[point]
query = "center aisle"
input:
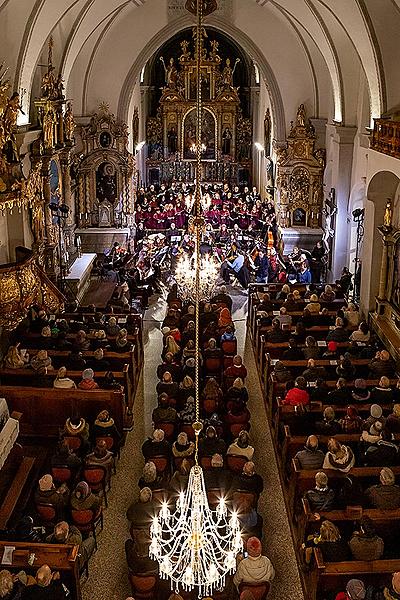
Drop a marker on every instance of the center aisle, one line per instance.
(108, 570)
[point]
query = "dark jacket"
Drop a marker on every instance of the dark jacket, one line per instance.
(310, 459)
(340, 396)
(328, 427)
(54, 591)
(320, 500)
(218, 477)
(139, 564)
(366, 548)
(150, 449)
(248, 483)
(382, 454)
(334, 551)
(385, 497)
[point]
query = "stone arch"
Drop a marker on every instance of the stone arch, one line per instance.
(125, 107)
(382, 185)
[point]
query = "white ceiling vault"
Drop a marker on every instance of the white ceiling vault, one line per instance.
(316, 51)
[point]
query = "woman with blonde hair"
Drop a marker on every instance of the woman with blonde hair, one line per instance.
(338, 457)
(171, 346)
(14, 358)
(330, 542)
(62, 381)
(328, 295)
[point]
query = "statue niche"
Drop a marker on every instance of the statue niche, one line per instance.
(208, 135)
(106, 182)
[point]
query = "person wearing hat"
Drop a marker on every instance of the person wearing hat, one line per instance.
(355, 590)
(76, 426)
(182, 447)
(88, 382)
(332, 351)
(62, 381)
(83, 499)
(164, 413)
(386, 494)
(102, 457)
(376, 414)
(189, 368)
(360, 391)
(256, 568)
(322, 497)
(47, 493)
(156, 446)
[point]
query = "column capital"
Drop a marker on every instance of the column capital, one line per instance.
(342, 134)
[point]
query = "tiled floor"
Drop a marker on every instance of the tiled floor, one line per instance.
(108, 571)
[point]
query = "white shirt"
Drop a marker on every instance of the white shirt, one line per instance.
(254, 570)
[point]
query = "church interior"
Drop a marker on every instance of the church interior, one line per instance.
(200, 299)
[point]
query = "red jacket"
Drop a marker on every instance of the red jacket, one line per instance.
(296, 396)
(234, 371)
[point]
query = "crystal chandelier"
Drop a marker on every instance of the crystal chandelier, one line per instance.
(195, 546)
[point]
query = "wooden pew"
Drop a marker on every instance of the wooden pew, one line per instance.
(45, 410)
(333, 576)
(59, 557)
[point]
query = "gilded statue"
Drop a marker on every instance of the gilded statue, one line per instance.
(387, 217)
(135, 127)
(228, 73)
(185, 51)
(49, 121)
(49, 83)
(11, 114)
(301, 116)
(171, 73)
(60, 87)
(69, 123)
(214, 51)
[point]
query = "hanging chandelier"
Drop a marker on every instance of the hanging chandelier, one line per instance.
(195, 546)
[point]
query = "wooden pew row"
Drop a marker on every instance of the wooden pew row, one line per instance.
(45, 410)
(59, 557)
(117, 361)
(296, 315)
(332, 577)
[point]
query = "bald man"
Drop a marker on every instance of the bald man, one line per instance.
(48, 586)
(310, 457)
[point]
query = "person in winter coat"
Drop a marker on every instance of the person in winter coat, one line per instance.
(365, 544)
(339, 457)
(386, 494)
(322, 497)
(310, 457)
(298, 395)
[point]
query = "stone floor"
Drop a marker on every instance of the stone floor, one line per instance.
(108, 572)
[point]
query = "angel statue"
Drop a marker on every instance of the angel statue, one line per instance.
(69, 123)
(387, 217)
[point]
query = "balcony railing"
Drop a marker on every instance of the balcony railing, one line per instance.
(386, 137)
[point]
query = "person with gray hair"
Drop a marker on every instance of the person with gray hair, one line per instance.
(322, 497)
(156, 445)
(141, 512)
(217, 476)
(310, 457)
(385, 494)
(48, 586)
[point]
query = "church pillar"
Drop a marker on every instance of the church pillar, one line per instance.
(320, 132)
(141, 157)
(340, 156)
(258, 155)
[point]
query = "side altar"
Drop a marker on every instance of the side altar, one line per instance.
(226, 134)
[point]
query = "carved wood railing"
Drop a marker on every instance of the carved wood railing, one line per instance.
(386, 137)
(23, 284)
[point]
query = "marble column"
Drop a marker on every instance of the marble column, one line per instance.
(340, 156)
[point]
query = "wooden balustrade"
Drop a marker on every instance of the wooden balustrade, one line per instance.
(386, 137)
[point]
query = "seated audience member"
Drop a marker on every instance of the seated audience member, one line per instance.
(297, 296)
(41, 362)
(290, 303)
(248, 480)
(382, 364)
(47, 493)
(375, 414)
(329, 425)
(69, 534)
(15, 359)
(351, 422)
(328, 295)
(330, 542)
(393, 420)
(12, 586)
(65, 457)
(182, 448)
(75, 361)
(149, 477)
(164, 413)
(396, 392)
(355, 590)
(211, 444)
(293, 352)
(228, 335)
(241, 446)
(300, 334)
(392, 592)
(137, 556)
(283, 292)
(255, 568)
(360, 391)
(25, 531)
(156, 446)
(352, 315)
(339, 333)
(285, 320)
(365, 544)
(237, 369)
(211, 350)
(311, 349)
(83, 499)
(266, 304)
(386, 494)
(112, 328)
(169, 365)
(332, 351)
(104, 426)
(276, 335)
(223, 297)
(141, 512)
(298, 395)
(314, 306)
(179, 480)
(351, 493)
(321, 498)
(339, 457)
(100, 340)
(186, 389)
(282, 373)
(341, 395)
(362, 334)
(237, 414)
(382, 453)
(62, 381)
(313, 372)
(167, 386)
(224, 320)
(45, 341)
(48, 586)
(98, 363)
(217, 477)
(81, 342)
(382, 393)
(88, 382)
(101, 457)
(212, 391)
(345, 369)
(319, 392)
(187, 415)
(310, 457)
(189, 351)
(172, 347)
(237, 392)
(76, 426)
(171, 319)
